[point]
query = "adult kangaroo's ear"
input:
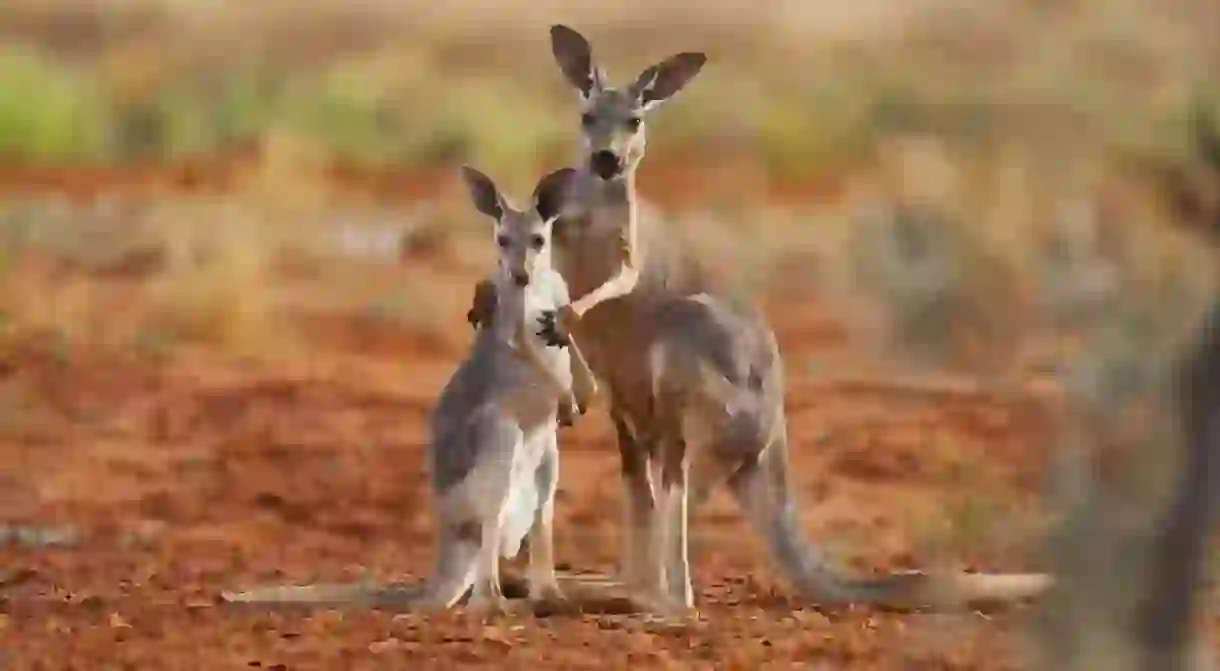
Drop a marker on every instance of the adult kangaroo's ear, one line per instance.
(575, 58)
(483, 192)
(661, 81)
(552, 192)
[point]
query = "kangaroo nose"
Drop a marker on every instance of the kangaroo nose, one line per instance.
(605, 164)
(521, 279)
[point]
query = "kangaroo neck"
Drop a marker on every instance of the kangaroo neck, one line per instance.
(609, 203)
(591, 255)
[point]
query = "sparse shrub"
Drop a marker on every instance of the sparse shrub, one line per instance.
(49, 112)
(215, 288)
(182, 119)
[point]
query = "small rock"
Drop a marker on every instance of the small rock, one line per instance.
(387, 645)
(665, 625)
(40, 537)
(811, 618)
(498, 636)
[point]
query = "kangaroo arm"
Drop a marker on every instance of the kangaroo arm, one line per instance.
(584, 383)
(525, 349)
(624, 279)
(483, 305)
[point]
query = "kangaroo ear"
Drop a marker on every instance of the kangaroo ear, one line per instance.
(552, 192)
(661, 81)
(575, 58)
(483, 192)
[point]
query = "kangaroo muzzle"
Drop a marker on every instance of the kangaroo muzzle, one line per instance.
(605, 164)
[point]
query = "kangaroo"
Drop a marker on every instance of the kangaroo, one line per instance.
(493, 451)
(695, 376)
(494, 454)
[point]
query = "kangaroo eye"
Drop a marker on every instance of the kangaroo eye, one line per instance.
(537, 241)
(502, 241)
(587, 120)
(634, 123)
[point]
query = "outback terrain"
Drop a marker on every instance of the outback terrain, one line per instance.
(220, 336)
(142, 481)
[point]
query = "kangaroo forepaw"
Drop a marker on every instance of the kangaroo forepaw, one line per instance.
(567, 415)
(570, 409)
(483, 306)
(551, 332)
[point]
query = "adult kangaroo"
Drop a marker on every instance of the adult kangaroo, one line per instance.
(695, 378)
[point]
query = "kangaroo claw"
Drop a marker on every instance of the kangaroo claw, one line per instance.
(551, 332)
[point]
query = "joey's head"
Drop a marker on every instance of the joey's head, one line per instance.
(522, 237)
(613, 137)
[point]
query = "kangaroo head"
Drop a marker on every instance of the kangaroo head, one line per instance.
(523, 237)
(612, 118)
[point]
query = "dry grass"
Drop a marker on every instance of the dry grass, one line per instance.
(238, 272)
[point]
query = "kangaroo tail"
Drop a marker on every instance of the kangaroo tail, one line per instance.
(763, 490)
(334, 595)
(454, 576)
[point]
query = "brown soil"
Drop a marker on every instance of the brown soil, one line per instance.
(189, 475)
(680, 181)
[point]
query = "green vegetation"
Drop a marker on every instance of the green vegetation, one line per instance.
(49, 112)
(419, 100)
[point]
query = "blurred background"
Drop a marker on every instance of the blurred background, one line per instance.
(235, 260)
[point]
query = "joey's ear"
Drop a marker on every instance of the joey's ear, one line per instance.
(575, 58)
(552, 191)
(483, 192)
(661, 81)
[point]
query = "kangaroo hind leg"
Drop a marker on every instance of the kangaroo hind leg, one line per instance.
(672, 537)
(543, 585)
(457, 551)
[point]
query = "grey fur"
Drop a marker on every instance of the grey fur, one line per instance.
(493, 453)
(682, 357)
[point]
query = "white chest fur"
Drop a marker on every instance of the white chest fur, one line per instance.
(533, 396)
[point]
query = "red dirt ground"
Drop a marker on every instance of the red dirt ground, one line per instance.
(196, 474)
(679, 181)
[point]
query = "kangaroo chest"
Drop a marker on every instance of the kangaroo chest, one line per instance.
(588, 250)
(526, 391)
